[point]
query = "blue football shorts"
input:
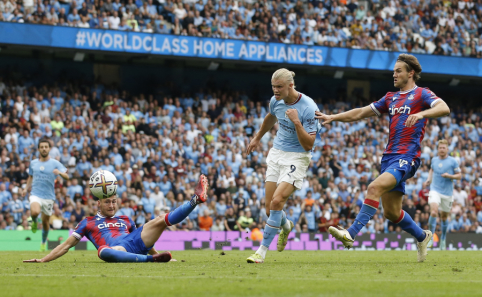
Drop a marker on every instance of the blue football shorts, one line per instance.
(402, 167)
(133, 243)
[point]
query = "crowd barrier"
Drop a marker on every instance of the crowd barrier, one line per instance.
(234, 240)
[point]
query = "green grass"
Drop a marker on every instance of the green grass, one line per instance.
(208, 273)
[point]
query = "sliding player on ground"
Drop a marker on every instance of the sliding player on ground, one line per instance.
(290, 156)
(116, 237)
(42, 174)
(408, 111)
(444, 169)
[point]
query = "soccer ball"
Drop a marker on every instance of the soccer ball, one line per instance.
(103, 184)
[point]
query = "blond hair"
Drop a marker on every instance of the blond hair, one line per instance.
(284, 74)
(442, 141)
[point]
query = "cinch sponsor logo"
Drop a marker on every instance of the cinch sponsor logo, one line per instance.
(395, 110)
(111, 225)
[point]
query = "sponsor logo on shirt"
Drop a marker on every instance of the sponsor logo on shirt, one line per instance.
(111, 225)
(396, 110)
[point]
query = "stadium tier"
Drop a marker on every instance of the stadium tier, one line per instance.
(451, 28)
(158, 147)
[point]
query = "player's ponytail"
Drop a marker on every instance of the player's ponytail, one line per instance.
(284, 74)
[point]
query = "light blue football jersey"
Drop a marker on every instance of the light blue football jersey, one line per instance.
(44, 177)
(442, 185)
(286, 139)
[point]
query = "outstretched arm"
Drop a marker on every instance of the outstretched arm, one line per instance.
(347, 116)
(268, 123)
(58, 252)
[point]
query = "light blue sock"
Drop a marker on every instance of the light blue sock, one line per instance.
(432, 223)
(283, 218)
(408, 225)
(115, 256)
(180, 213)
(272, 227)
(45, 235)
(445, 225)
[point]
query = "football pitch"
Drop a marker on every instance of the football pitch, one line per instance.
(209, 273)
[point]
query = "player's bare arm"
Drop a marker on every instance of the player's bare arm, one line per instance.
(268, 123)
(58, 252)
(440, 109)
(306, 140)
(353, 115)
(457, 176)
(429, 178)
(64, 175)
(29, 183)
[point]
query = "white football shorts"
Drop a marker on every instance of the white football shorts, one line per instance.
(287, 167)
(444, 202)
(46, 205)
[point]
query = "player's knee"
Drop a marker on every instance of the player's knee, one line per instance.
(277, 202)
(374, 190)
(434, 213)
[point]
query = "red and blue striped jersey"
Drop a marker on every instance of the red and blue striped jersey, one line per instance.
(102, 230)
(399, 106)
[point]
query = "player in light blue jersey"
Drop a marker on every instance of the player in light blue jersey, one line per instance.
(443, 171)
(42, 174)
(290, 156)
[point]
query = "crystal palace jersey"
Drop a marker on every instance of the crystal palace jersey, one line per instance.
(101, 230)
(399, 106)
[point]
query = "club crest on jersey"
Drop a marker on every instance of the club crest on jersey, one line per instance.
(410, 97)
(394, 98)
(402, 162)
(440, 165)
(396, 110)
(42, 168)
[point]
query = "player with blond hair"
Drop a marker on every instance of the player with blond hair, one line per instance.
(443, 170)
(408, 110)
(290, 156)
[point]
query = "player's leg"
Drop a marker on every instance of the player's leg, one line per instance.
(270, 188)
(45, 231)
(118, 254)
(445, 206)
(434, 202)
(392, 209)
(282, 193)
(376, 189)
(34, 213)
(180, 213)
(444, 226)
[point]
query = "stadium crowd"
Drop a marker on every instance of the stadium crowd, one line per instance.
(448, 27)
(157, 148)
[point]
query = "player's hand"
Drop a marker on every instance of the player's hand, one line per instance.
(413, 119)
(292, 114)
(326, 119)
(56, 171)
(446, 175)
(426, 184)
(252, 145)
(33, 261)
